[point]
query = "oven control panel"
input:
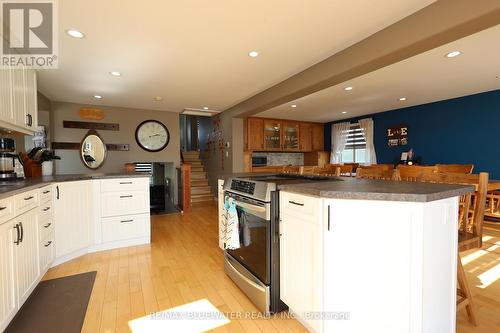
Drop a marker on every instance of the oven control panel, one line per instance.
(243, 186)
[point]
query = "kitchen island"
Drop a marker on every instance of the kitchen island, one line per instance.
(370, 255)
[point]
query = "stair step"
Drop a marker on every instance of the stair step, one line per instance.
(198, 175)
(199, 182)
(201, 190)
(197, 169)
(202, 197)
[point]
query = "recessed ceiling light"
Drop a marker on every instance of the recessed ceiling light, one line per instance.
(402, 99)
(75, 33)
(453, 54)
(205, 108)
(293, 105)
(115, 73)
(348, 88)
(344, 112)
(253, 54)
(158, 98)
(97, 96)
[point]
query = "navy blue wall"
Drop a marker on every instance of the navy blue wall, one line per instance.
(459, 130)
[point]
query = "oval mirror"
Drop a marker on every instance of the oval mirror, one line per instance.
(93, 150)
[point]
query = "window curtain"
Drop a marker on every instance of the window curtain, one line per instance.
(366, 126)
(339, 140)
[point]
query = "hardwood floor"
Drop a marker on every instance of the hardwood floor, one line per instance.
(184, 264)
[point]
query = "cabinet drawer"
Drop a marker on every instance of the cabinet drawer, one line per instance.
(26, 201)
(6, 209)
(292, 203)
(124, 203)
(45, 211)
(124, 227)
(45, 228)
(47, 252)
(124, 184)
(46, 194)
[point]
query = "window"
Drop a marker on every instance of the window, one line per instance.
(355, 148)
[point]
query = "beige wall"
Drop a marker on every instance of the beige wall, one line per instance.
(128, 119)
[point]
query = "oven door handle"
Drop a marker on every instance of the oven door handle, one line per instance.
(259, 211)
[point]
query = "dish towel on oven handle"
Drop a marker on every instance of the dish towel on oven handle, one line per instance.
(231, 225)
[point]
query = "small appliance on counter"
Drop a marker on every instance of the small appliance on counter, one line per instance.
(10, 165)
(33, 160)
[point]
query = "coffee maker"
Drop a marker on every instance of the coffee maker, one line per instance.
(10, 165)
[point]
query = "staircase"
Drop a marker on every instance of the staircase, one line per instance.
(200, 190)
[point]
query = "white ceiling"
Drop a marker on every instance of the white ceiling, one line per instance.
(425, 78)
(193, 53)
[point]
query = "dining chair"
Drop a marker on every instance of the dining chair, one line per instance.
(290, 169)
(308, 169)
(455, 168)
(470, 225)
(374, 173)
(411, 173)
(345, 170)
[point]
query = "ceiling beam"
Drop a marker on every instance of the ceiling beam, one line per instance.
(437, 24)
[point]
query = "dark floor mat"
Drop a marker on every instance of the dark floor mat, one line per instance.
(57, 305)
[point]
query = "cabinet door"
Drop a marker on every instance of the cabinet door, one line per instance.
(291, 136)
(71, 216)
(305, 137)
(255, 134)
(7, 276)
(318, 143)
(272, 135)
(300, 257)
(18, 98)
(6, 109)
(27, 256)
(31, 98)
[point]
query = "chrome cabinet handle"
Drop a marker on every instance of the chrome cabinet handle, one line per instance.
(45, 192)
(328, 217)
(296, 203)
(126, 221)
(125, 183)
(29, 198)
(17, 241)
(2, 208)
(48, 243)
(126, 196)
(46, 209)
(47, 225)
(57, 192)
(22, 232)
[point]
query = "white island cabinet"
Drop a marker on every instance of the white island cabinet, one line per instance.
(352, 266)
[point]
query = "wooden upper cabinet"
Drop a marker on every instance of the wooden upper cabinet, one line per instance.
(291, 134)
(305, 137)
(318, 142)
(254, 134)
(272, 135)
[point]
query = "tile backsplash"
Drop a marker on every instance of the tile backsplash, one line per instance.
(274, 159)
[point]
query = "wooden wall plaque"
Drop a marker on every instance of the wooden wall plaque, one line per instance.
(76, 146)
(90, 125)
(91, 114)
(397, 135)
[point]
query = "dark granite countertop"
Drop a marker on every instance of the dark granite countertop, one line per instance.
(388, 190)
(10, 188)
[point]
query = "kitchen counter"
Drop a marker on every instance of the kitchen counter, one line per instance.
(9, 188)
(387, 190)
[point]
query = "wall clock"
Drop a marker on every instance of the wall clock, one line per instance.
(152, 135)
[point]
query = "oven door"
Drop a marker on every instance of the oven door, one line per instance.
(254, 219)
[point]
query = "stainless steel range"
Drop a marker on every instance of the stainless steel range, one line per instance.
(254, 267)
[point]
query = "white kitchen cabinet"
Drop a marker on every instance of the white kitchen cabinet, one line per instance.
(72, 212)
(126, 202)
(26, 255)
(8, 301)
(6, 109)
(18, 100)
(47, 252)
(220, 192)
(301, 256)
(124, 227)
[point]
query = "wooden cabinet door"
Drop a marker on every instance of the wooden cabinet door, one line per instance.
(305, 137)
(6, 109)
(291, 135)
(255, 134)
(72, 216)
(18, 98)
(27, 256)
(8, 300)
(272, 135)
(318, 143)
(31, 98)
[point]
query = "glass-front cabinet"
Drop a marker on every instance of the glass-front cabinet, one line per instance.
(291, 136)
(272, 134)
